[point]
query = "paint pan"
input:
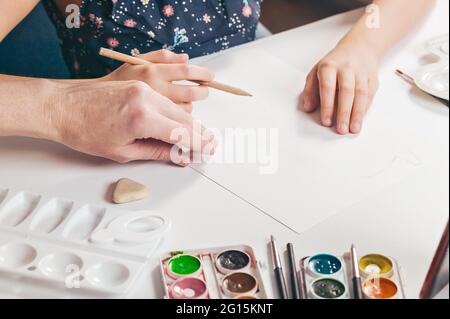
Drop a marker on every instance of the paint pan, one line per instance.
(376, 264)
(228, 272)
(380, 288)
(188, 288)
(329, 276)
(324, 265)
(184, 266)
(328, 288)
(232, 260)
(239, 283)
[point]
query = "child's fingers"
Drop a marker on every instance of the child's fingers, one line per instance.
(187, 107)
(346, 82)
(373, 88)
(186, 93)
(327, 81)
(165, 56)
(360, 105)
(311, 98)
(180, 72)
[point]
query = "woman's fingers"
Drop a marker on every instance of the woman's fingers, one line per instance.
(346, 96)
(180, 72)
(165, 56)
(327, 75)
(360, 104)
(152, 115)
(153, 150)
(167, 117)
(175, 113)
(175, 133)
(311, 97)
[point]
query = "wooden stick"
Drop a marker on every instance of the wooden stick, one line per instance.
(137, 61)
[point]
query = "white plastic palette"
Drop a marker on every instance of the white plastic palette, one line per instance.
(66, 244)
(434, 78)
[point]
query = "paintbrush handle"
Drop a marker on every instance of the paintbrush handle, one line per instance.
(357, 290)
(293, 272)
(114, 55)
(281, 283)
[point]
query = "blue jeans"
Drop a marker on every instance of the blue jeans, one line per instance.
(32, 49)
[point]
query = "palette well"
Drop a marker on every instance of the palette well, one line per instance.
(329, 276)
(215, 273)
(63, 244)
(434, 78)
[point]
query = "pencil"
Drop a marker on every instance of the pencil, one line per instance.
(278, 270)
(137, 61)
(293, 272)
(357, 290)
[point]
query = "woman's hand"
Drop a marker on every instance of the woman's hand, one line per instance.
(124, 121)
(342, 86)
(166, 68)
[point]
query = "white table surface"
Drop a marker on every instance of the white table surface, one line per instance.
(404, 220)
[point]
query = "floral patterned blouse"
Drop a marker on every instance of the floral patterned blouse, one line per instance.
(196, 27)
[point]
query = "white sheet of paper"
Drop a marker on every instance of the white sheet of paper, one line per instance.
(319, 173)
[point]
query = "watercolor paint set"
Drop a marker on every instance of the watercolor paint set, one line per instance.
(216, 273)
(65, 244)
(329, 276)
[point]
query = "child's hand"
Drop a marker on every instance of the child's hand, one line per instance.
(343, 85)
(167, 67)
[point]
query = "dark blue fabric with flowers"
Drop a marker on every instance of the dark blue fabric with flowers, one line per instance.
(196, 27)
